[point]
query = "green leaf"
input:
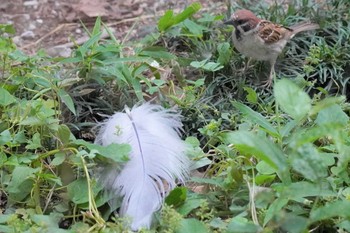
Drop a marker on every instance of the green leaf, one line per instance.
(116, 152)
(298, 191)
(59, 159)
(35, 143)
(5, 137)
(64, 134)
(208, 66)
(333, 114)
(262, 148)
(292, 99)
(157, 52)
(48, 221)
(240, 224)
(166, 21)
(265, 168)
(292, 223)
(308, 162)
(252, 96)
(21, 182)
(188, 12)
(67, 100)
(191, 225)
(176, 197)
(225, 51)
(6, 98)
(97, 26)
(275, 209)
(256, 118)
(78, 191)
(194, 28)
(9, 29)
(314, 133)
(191, 203)
(339, 208)
(88, 44)
(169, 19)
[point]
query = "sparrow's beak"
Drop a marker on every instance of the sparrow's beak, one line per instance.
(229, 22)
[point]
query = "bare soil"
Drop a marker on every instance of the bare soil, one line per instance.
(51, 23)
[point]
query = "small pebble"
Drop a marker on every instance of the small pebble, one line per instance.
(31, 26)
(78, 30)
(39, 21)
(28, 35)
(30, 3)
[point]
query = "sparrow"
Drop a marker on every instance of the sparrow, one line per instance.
(261, 39)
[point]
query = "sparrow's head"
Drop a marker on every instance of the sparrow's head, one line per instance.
(244, 19)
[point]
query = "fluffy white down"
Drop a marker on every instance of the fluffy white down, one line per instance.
(157, 159)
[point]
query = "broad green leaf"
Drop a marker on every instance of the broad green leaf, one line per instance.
(298, 191)
(6, 229)
(35, 143)
(21, 182)
(116, 152)
(48, 221)
(78, 191)
(5, 97)
(308, 162)
(262, 148)
(344, 225)
(67, 100)
(64, 134)
(194, 28)
(176, 197)
(191, 225)
(264, 179)
(5, 137)
(292, 99)
(191, 203)
(292, 223)
(218, 223)
(59, 159)
(256, 118)
(275, 209)
(240, 224)
(339, 208)
(333, 114)
(314, 133)
(265, 168)
(327, 102)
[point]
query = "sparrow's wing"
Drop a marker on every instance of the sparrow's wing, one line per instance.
(272, 33)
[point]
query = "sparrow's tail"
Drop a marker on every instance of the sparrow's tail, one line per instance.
(304, 26)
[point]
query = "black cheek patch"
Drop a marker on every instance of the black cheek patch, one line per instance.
(238, 34)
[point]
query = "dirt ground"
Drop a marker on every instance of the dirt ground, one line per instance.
(52, 24)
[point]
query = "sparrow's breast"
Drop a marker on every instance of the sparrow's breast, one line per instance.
(251, 45)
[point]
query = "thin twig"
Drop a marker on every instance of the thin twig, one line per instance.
(58, 28)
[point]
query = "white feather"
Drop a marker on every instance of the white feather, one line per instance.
(157, 159)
